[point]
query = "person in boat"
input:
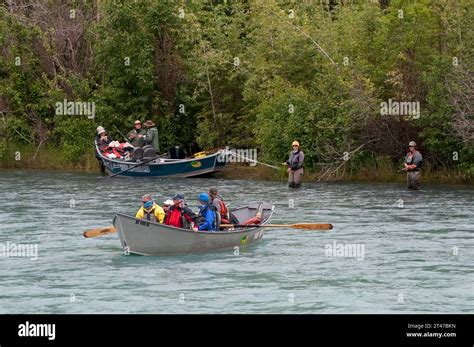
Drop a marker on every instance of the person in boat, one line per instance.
(150, 210)
(218, 203)
(137, 135)
(207, 217)
(151, 135)
(413, 162)
(167, 204)
(179, 215)
(109, 148)
(295, 165)
(104, 144)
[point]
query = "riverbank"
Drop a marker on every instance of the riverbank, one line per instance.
(366, 175)
(53, 158)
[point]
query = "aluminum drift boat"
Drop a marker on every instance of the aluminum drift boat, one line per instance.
(163, 167)
(149, 238)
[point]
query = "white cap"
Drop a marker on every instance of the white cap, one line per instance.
(168, 202)
(100, 130)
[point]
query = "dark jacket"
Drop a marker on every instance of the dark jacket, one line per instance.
(295, 161)
(137, 141)
(151, 138)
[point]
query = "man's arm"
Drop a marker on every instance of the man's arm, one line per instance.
(217, 205)
(207, 225)
(301, 159)
(417, 159)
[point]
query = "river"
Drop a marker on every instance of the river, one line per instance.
(413, 251)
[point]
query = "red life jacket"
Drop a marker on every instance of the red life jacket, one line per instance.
(173, 218)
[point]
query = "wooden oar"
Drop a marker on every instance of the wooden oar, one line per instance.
(100, 231)
(307, 226)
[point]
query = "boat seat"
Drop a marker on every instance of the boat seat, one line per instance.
(137, 153)
(149, 152)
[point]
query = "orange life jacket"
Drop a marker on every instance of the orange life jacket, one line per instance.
(224, 211)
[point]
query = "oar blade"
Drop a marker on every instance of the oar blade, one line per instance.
(99, 232)
(312, 226)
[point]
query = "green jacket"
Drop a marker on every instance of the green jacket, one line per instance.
(151, 138)
(137, 141)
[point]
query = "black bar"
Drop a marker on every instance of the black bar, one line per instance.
(323, 330)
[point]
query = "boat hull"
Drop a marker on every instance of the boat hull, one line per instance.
(165, 167)
(149, 238)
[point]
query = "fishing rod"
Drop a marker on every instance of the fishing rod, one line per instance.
(251, 160)
(126, 139)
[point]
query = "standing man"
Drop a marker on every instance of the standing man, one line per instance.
(151, 136)
(413, 161)
(136, 135)
(295, 166)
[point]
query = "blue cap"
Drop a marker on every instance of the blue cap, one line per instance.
(178, 197)
(203, 197)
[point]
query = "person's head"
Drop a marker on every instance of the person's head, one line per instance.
(167, 204)
(101, 132)
(178, 199)
(147, 201)
(295, 145)
(412, 146)
(138, 124)
(203, 198)
(213, 192)
(149, 124)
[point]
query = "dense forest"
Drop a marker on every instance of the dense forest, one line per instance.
(247, 74)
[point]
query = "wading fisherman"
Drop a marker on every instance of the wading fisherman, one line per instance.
(151, 135)
(413, 162)
(207, 215)
(150, 210)
(221, 208)
(179, 215)
(136, 135)
(295, 166)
